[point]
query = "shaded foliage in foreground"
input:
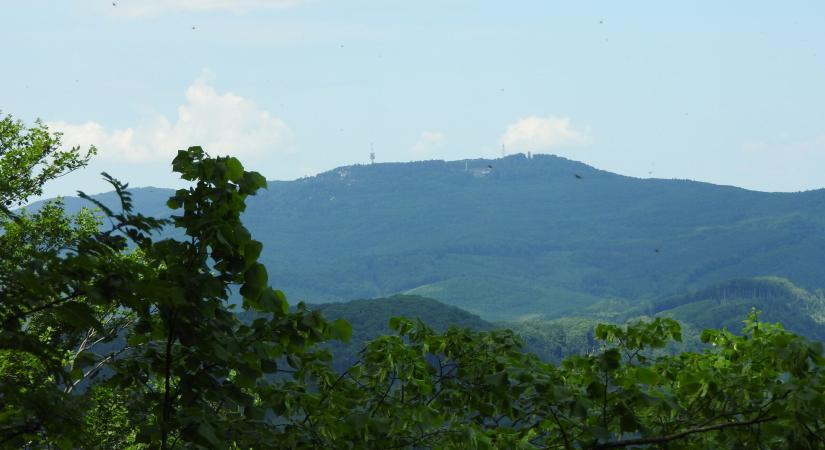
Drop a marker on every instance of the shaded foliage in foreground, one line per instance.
(192, 375)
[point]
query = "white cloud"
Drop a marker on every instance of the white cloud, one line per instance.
(542, 133)
(222, 123)
(427, 142)
(800, 148)
(144, 8)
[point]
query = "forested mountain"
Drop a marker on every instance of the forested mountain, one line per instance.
(516, 237)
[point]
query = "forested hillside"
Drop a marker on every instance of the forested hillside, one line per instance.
(513, 237)
(721, 305)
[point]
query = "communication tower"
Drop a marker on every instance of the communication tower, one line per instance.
(372, 154)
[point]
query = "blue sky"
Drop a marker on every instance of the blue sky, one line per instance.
(724, 92)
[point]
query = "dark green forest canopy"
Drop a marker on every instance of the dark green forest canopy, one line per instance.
(521, 239)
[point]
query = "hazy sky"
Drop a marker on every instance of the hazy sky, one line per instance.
(725, 92)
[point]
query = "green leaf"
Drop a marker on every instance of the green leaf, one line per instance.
(76, 373)
(174, 203)
(84, 359)
(646, 375)
(245, 380)
(252, 251)
(254, 413)
(341, 330)
(269, 366)
(257, 180)
(610, 360)
(78, 314)
(255, 280)
(271, 300)
(234, 169)
(498, 379)
(206, 431)
(65, 442)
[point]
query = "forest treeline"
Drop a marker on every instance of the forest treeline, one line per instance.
(193, 375)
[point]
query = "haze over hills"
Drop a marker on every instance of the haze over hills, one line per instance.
(515, 237)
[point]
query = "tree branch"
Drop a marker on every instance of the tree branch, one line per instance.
(682, 434)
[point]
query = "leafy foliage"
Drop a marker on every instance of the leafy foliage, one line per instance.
(462, 389)
(371, 319)
(119, 339)
(554, 340)
(188, 360)
(31, 157)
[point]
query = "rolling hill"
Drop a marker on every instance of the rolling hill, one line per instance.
(724, 305)
(370, 319)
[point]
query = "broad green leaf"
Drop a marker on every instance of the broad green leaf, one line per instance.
(78, 315)
(234, 169)
(341, 330)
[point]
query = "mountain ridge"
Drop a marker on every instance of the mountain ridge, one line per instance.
(511, 237)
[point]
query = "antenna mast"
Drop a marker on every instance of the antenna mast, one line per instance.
(503, 151)
(372, 154)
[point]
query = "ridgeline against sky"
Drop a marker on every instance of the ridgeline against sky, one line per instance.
(510, 237)
(726, 93)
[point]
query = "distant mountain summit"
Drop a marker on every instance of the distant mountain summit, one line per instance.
(514, 237)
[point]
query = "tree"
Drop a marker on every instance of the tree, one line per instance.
(37, 361)
(201, 372)
(459, 389)
(29, 158)
(187, 359)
